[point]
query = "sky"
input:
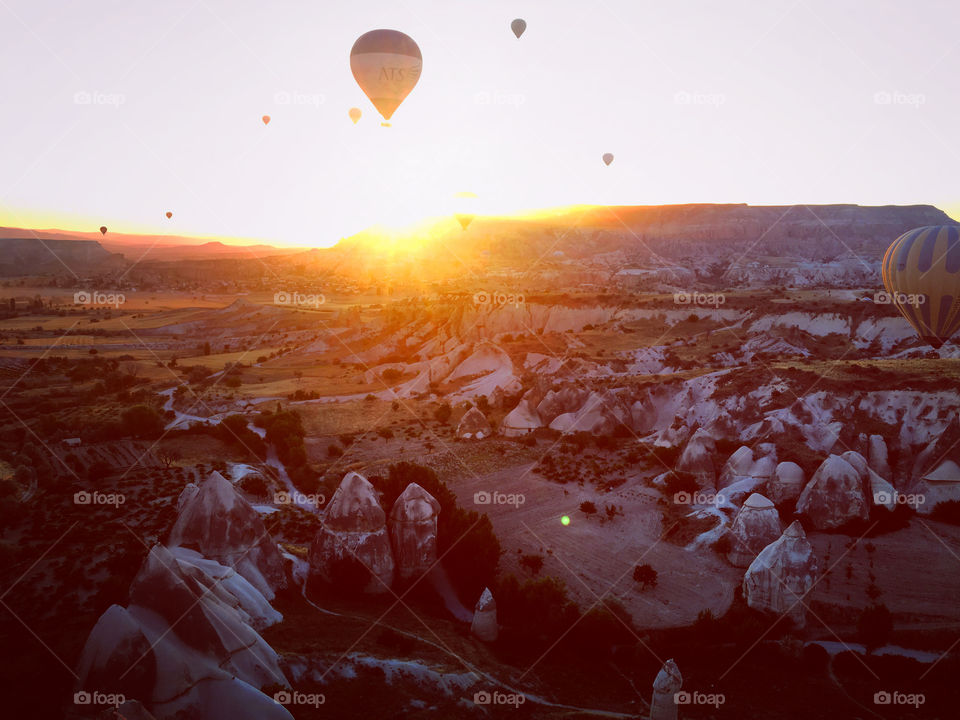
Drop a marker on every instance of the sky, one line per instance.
(117, 112)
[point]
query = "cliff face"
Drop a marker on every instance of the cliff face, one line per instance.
(30, 256)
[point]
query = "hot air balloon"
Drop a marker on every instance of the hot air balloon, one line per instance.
(518, 26)
(266, 119)
(608, 158)
(355, 115)
(103, 229)
(386, 65)
(169, 214)
(465, 206)
(921, 273)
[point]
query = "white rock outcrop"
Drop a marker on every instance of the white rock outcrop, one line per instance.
(523, 418)
(219, 523)
(354, 531)
(185, 646)
(473, 425)
(663, 704)
(756, 525)
(484, 625)
(786, 484)
(835, 495)
(697, 458)
(781, 575)
(413, 531)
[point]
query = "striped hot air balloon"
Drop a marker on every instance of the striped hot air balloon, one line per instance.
(386, 65)
(921, 273)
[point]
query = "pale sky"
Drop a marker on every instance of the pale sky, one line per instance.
(762, 102)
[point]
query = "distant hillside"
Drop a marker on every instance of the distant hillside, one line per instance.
(637, 234)
(33, 256)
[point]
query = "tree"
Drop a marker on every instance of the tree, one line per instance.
(443, 413)
(645, 576)
(874, 626)
(142, 421)
(168, 456)
(588, 508)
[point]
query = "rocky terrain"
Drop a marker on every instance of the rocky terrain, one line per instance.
(676, 455)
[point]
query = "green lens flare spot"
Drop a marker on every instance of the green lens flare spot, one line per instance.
(565, 520)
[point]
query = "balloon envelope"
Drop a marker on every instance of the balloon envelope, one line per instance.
(608, 158)
(103, 229)
(518, 26)
(386, 65)
(266, 119)
(464, 220)
(169, 215)
(921, 272)
(355, 115)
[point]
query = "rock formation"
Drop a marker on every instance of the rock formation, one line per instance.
(484, 624)
(218, 522)
(189, 490)
(879, 457)
(781, 574)
(755, 526)
(523, 418)
(184, 646)
(697, 458)
(473, 425)
(413, 531)
(835, 495)
(354, 531)
(663, 705)
(786, 484)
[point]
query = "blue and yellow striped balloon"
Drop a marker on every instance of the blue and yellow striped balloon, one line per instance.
(921, 272)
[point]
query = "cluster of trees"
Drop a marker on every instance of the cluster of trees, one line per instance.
(284, 430)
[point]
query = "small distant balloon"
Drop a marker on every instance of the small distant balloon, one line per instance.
(608, 158)
(103, 229)
(266, 119)
(518, 26)
(386, 65)
(355, 115)
(464, 202)
(169, 214)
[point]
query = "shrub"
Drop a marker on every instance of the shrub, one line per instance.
(533, 563)
(443, 413)
(645, 576)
